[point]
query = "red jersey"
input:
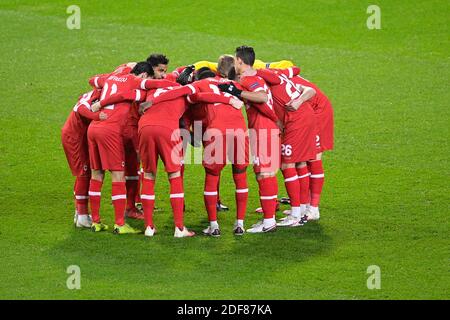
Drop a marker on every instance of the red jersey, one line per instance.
(284, 90)
(117, 85)
(320, 100)
(78, 121)
(123, 68)
(221, 116)
(165, 114)
(260, 115)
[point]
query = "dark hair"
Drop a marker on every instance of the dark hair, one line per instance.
(142, 67)
(246, 54)
(156, 58)
(204, 73)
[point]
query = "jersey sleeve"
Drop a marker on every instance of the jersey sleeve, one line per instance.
(289, 72)
(208, 97)
(147, 84)
(84, 109)
(269, 76)
(208, 64)
(131, 95)
(99, 80)
(256, 84)
(175, 93)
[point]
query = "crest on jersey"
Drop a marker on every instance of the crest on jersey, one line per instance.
(254, 85)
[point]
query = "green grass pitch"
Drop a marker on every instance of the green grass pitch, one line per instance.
(386, 196)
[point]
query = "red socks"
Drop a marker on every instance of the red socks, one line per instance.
(268, 192)
(139, 186)
(148, 200)
(132, 183)
(292, 185)
(177, 201)
(210, 196)
(303, 176)
(95, 194)
(119, 199)
(317, 180)
(81, 191)
(240, 181)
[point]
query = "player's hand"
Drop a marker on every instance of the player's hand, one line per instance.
(96, 106)
(294, 105)
(236, 103)
(103, 116)
(144, 106)
(185, 76)
(230, 88)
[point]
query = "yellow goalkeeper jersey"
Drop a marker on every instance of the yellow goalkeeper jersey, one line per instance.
(283, 64)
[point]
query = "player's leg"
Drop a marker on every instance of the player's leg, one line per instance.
(112, 156)
(268, 190)
(220, 206)
(238, 154)
(241, 196)
(266, 146)
(212, 174)
(317, 179)
(132, 182)
(95, 195)
(177, 203)
(292, 185)
(119, 199)
(148, 202)
(97, 174)
(169, 146)
(325, 137)
(149, 156)
(83, 219)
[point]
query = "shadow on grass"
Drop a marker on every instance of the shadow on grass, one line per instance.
(166, 262)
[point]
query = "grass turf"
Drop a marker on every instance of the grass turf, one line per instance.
(386, 195)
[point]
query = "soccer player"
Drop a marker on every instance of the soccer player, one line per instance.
(312, 174)
(159, 137)
(264, 133)
(299, 135)
(159, 63)
(74, 141)
(225, 138)
(106, 148)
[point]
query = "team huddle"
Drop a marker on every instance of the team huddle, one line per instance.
(140, 114)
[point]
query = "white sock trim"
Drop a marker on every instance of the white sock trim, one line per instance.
(119, 197)
(176, 195)
(268, 197)
(92, 193)
(210, 193)
(314, 176)
(242, 190)
(294, 178)
(148, 196)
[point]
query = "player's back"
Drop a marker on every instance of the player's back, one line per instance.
(256, 119)
(166, 114)
(320, 100)
(282, 94)
(219, 115)
(119, 112)
(75, 123)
